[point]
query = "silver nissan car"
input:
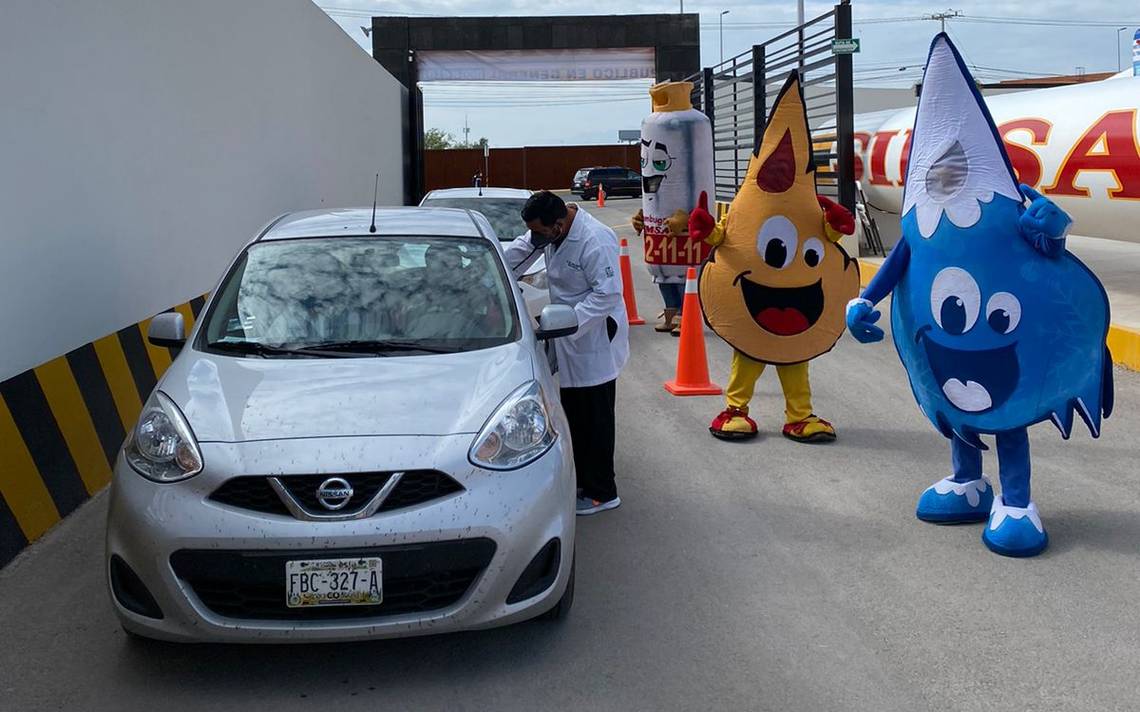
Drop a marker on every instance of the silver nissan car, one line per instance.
(360, 438)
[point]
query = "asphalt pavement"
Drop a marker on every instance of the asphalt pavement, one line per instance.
(766, 575)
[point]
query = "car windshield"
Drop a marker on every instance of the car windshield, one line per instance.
(362, 296)
(504, 214)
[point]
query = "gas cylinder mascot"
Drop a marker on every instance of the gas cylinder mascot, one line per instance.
(676, 167)
(997, 325)
(777, 281)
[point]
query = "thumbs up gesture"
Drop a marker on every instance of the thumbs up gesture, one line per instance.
(701, 221)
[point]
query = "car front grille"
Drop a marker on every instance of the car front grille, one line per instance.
(256, 494)
(303, 488)
(417, 578)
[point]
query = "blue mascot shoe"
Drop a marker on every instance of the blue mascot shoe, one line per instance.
(950, 502)
(1015, 531)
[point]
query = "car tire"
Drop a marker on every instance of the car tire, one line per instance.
(562, 608)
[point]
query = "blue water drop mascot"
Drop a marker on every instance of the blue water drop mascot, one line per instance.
(998, 326)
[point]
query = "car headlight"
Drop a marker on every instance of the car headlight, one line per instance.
(536, 279)
(162, 447)
(519, 431)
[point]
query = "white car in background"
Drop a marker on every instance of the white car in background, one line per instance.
(503, 209)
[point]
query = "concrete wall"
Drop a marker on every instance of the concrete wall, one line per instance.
(143, 142)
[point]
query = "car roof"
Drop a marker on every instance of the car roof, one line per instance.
(474, 193)
(443, 222)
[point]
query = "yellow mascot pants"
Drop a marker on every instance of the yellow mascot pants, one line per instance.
(793, 379)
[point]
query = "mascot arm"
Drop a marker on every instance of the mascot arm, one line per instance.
(638, 221)
(718, 234)
(703, 226)
(861, 312)
(1043, 225)
(837, 220)
(678, 224)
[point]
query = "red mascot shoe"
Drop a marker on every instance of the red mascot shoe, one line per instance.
(811, 429)
(733, 424)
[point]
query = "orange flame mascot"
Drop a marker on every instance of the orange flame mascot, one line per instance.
(777, 283)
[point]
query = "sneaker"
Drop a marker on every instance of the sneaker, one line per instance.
(587, 506)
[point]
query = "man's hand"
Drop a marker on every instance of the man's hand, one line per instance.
(838, 218)
(638, 221)
(861, 318)
(678, 224)
(1043, 224)
(701, 221)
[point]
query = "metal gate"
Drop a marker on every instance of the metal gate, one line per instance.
(737, 93)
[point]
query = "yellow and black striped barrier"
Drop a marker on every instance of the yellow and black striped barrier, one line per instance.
(63, 422)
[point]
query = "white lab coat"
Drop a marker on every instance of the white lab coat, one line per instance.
(584, 273)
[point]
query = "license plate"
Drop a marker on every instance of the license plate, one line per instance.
(333, 582)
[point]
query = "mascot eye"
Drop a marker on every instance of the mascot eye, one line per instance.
(777, 241)
(1003, 312)
(813, 252)
(955, 300)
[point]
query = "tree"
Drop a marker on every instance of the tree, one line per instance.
(438, 138)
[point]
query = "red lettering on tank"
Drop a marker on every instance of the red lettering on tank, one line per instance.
(1025, 162)
(1116, 132)
(904, 158)
(861, 140)
(879, 146)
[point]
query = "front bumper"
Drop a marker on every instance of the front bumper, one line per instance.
(497, 524)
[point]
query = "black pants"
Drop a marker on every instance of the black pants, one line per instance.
(590, 411)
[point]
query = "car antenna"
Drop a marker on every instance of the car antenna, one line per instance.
(375, 197)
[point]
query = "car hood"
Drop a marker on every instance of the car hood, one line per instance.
(233, 399)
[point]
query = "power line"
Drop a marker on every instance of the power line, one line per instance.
(943, 17)
(359, 12)
(1052, 22)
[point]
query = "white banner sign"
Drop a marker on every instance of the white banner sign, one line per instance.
(537, 65)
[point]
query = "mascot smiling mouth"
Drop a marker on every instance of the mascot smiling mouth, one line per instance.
(972, 381)
(783, 311)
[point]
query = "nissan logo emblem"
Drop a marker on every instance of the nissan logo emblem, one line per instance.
(334, 493)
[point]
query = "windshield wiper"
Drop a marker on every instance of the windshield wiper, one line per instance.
(380, 346)
(267, 350)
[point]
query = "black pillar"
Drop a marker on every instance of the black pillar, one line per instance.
(845, 111)
(759, 96)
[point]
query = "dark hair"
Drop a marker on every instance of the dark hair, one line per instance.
(545, 207)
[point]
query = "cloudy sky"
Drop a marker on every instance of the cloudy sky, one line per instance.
(1002, 39)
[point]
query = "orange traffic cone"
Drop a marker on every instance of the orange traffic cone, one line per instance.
(692, 365)
(627, 285)
(601, 195)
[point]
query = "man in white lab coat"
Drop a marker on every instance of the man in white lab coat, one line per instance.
(583, 272)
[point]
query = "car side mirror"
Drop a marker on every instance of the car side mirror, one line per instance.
(556, 321)
(167, 330)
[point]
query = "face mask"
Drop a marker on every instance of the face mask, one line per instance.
(540, 240)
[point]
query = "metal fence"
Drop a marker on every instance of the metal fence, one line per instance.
(737, 93)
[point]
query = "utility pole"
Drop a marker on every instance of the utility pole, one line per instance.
(722, 14)
(944, 16)
(466, 133)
